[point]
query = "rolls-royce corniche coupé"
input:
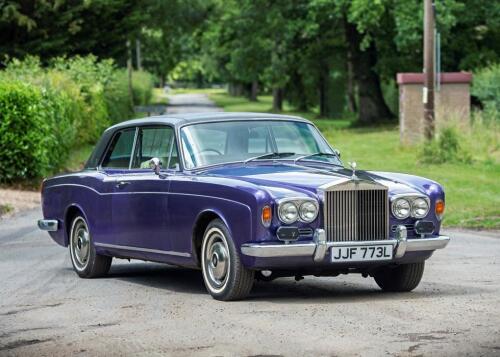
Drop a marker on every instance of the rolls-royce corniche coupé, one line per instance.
(241, 196)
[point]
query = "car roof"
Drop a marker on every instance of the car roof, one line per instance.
(178, 120)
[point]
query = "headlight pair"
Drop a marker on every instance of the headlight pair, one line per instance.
(406, 206)
(292, 210)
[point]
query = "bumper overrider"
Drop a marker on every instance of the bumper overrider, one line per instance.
(319, 246)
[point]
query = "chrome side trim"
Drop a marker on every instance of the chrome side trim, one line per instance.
(50, 225)
(146, 192)
(146, 250)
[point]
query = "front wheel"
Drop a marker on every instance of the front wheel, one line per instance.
(86, 262)
(401, 278)
(224, 275)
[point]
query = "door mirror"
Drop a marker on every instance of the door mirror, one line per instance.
(155, 165)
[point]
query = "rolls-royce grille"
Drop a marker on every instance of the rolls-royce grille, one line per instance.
(356, 215)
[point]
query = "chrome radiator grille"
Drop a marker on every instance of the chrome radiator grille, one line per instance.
(356, 215)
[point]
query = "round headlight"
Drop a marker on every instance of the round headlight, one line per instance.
(288, 212)
(419, 208)
(308, 211)
(401, 208)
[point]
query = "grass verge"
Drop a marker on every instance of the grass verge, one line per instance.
(472, 190)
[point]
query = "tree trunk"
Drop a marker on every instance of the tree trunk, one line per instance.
(323, 90)
(254, 91)
(351, 91)
(372, 106)
(322, 96)
(277, 99)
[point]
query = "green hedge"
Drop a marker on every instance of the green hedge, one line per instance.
(486, 86)
(44, 112)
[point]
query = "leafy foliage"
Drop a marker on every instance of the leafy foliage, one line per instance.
(26, 139)
(486, 86)
(46, 111)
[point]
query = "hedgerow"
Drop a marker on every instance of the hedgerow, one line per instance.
(45, 111)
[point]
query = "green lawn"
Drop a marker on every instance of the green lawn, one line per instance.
(472, 190)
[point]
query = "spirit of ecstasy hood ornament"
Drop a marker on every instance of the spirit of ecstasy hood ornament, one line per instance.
(353, 168)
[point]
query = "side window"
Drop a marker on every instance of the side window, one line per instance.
(120, 150)
(155, 142)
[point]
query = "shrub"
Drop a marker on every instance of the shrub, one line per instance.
(142, 87)
(117, 98)
(25, 134)
(44, 112)
(458, 141)
(445, 148)
(486, 86)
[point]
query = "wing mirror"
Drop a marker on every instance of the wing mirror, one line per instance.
(155, 165)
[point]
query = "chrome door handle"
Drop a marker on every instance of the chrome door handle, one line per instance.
(122, 184)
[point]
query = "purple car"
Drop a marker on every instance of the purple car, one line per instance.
(241, 196)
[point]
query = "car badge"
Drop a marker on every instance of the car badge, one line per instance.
(353, 168)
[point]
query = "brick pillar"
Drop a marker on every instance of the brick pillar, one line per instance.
(452, 103)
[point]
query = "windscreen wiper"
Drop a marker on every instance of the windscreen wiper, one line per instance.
(329, 154)
(272, 155)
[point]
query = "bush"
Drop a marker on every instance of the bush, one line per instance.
(459, 142)
(142, 87)
(25, 135)
(486, 86)
(445, 148)
(44, 112)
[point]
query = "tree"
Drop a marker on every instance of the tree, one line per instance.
(56, 28)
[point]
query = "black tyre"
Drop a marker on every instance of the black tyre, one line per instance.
(405, 277)
(224, 276)
(86, 262)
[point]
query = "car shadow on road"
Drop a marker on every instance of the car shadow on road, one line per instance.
(159, 276)
(175, 279)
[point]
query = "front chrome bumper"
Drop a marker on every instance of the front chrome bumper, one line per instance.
(50, 225)
(319, 246)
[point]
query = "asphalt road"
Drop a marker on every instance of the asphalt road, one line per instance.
(152, 309)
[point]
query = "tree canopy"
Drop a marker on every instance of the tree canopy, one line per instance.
(332, 54)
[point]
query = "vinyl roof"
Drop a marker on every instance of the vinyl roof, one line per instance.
(191, 118)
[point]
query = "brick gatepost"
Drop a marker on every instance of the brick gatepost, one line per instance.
(452, 102)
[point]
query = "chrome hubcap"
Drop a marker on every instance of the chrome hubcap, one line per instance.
(216, 259)
(80, 244)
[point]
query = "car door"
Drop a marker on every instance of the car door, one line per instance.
(140, 198)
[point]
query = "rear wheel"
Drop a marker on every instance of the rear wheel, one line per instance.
(86, 262)
(224, 276)
(405, 277)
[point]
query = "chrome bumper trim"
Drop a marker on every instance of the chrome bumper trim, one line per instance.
(278, 250)
(415, 245)
(318, 248)
(50, 225)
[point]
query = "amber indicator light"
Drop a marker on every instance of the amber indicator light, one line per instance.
(266, 215)
(439, 208)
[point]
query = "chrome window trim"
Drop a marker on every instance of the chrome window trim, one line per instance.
(133, 148)
(139, 249)
(180, 147)
(105, 151)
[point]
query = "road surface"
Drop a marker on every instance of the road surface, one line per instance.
(151, 309)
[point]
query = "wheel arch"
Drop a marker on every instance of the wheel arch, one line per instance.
(201, 223)
(71, 212)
